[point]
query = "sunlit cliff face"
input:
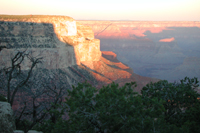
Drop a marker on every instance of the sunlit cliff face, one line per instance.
(51, 37)
(64, 45)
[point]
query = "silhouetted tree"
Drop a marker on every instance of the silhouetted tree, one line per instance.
(32, 94)
(13, 77)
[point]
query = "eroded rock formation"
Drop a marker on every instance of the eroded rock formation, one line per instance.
(59, 40)
(109, 69)
(152, 48)
(64, 44)
(7, 121)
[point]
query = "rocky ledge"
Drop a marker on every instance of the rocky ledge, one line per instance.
(7, 121)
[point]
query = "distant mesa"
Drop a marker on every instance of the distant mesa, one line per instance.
(132, 30)
(167, 40)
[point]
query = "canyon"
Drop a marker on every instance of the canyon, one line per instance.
(68, 49)
(99, 52)
(161, 49)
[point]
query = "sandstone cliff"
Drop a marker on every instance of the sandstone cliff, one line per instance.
(52, 37)
(66, 46)
(109, 69)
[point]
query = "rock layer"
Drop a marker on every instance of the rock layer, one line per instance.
(66, 46)
(133, 29)
(152, 48)
(52, 37)
(109, 69)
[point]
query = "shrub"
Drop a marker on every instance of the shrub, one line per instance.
(2, 98)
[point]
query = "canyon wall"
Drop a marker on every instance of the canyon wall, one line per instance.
(59, 40)
(70, 55)
(70, 52)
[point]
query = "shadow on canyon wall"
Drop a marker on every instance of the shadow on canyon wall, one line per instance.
(59, 58)
(39, 39)
(149, 56)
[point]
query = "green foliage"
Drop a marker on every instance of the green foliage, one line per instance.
(23, 124)
(48, 125)
(180, 100)
(111, 109)
(2, 98)
(163, 107)
(192, 118)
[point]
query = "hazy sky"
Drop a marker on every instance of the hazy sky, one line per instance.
(153, 10)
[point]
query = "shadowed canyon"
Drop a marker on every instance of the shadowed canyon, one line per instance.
(163, 50)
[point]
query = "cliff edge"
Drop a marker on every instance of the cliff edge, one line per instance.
(60, 40)
(68, 48)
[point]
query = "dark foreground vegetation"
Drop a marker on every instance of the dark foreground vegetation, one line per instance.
(161, 107)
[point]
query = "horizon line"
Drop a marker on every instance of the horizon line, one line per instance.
(103, 19)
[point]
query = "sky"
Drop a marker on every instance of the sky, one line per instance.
(137, 10)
